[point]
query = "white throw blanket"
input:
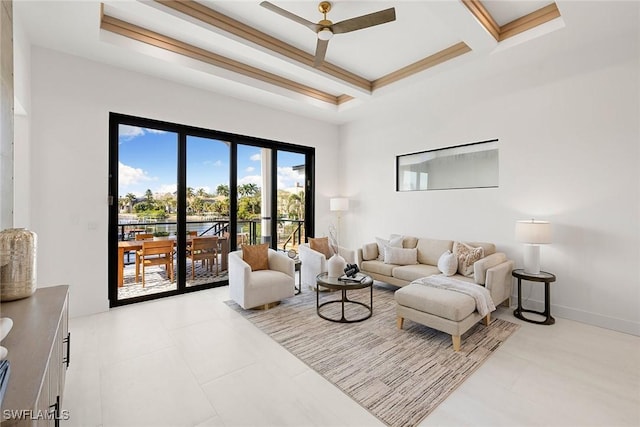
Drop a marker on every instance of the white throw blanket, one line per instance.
(484, 303)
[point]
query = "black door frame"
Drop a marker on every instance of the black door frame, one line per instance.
(116, 119)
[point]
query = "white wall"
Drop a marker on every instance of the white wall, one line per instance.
(569, 137)
(22, 144)
(71, 101)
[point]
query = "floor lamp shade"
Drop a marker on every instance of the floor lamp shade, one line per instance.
(339, 204)
(533, 234)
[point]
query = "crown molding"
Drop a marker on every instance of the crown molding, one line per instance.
(515, 27)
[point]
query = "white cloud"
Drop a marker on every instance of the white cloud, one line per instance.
(287, 177)
(256, 157)
(217, 163)
(251, 179)
(128, 175)
(166, 188)
(250, 169)
(127, 132)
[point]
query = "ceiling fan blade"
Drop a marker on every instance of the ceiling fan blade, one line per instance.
(321, 50)
(272, 7)
(364, 21)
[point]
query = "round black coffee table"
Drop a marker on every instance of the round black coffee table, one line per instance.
(334, 283)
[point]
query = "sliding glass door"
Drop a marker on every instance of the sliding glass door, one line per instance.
(207, 210)
(183, 197)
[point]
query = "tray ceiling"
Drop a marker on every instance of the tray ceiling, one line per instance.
(242, 49)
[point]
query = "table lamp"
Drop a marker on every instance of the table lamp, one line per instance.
(533, 234)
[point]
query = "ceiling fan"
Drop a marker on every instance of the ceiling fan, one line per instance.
(325, 29)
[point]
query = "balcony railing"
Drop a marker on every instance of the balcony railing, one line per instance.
(290, 232)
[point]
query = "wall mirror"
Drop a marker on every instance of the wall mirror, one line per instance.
(464, 166)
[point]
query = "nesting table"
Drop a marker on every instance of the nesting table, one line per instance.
(333, 283)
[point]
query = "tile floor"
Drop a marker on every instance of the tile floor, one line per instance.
(192, 361)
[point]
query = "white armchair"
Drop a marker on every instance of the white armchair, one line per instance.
(314, 263)
(252, 289)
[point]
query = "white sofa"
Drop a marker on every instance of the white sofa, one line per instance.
(252, 289)
(314, 263)
(493, 270)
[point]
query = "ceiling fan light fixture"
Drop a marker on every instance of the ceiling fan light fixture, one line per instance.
(325, 34)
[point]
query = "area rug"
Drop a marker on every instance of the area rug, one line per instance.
(400, 376)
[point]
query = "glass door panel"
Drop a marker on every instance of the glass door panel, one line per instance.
(207, 222)
(254, 195)
(147, 177)
(290, 200)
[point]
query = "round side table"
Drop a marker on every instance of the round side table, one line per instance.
(543, 277)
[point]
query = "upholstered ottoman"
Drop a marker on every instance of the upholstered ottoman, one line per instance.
(445, 310)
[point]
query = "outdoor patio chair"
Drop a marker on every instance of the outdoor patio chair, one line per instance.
(204, 249)
(155, 252)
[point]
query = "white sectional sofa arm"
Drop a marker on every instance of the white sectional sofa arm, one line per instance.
(499, 282)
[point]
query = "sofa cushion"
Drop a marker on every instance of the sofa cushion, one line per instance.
(409, 242)
(448, 263)
(321, 244)
(400, 256)
(429, 250)
(395, 242)
(378, 267)
(413, 272)
(257, 256)
(370, 251)
(438, 302)
(467, 255)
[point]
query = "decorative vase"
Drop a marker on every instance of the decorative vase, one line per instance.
(336, 265)
(17, 263)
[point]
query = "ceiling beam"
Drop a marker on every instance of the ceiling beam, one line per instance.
(152, 38)
(421, 65)
(515, 27)
(529, 21)
(239, 29)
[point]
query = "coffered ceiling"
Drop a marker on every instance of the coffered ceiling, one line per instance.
(244, 50)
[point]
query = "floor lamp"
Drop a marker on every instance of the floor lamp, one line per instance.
(337, 263)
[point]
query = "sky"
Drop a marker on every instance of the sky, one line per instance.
(148, 160)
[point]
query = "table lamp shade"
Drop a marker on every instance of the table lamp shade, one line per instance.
(533, 234)
(339, 204)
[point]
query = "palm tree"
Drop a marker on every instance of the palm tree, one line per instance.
(222, 190)
(201, 193)
(295, 205)
(251, 189)
(130, 198)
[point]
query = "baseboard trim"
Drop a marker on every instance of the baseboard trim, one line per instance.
(594, 319)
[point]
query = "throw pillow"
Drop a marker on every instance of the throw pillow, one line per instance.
(466, 256)
(394, 242)
(321, 244)
(369, 252)
(257, 256)
(448, 263)
(400, 256)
